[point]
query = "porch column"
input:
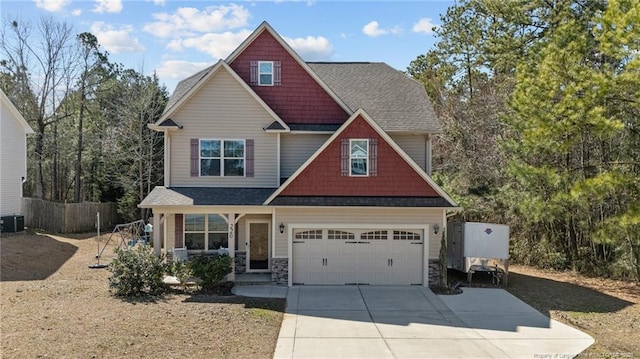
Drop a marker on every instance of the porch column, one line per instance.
(156, 233)
(231, 221)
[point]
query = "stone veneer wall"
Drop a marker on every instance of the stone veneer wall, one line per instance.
(434, 272)
(280, 270)
(240, 262)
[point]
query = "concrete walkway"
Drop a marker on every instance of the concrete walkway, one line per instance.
(260, 291)
(412, 322)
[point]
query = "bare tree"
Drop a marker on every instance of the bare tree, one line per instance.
(41, 63)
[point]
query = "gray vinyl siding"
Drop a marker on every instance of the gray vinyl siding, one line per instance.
(13, 160)
(295, 149)
(378, 216)
(223, 109)
(414, 145)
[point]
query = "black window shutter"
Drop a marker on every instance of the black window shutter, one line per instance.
(254, 72)
(345, 157)
(195, 168)
(373, 157)
(277, 73)
(248, 170)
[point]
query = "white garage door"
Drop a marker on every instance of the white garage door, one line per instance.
(361, 256)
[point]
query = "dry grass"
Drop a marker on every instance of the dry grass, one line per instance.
(53, 305)
(606, 309)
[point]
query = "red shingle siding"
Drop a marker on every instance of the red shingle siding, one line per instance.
(299, 99)
(323, 176)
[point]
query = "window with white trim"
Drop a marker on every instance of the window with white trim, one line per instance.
(222, 157)
(359, 157)
(205, 232)
(265, 73)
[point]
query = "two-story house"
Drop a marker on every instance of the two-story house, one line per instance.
(317, 173)
(13, 163)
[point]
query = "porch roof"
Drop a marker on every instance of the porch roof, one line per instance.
(206, 196)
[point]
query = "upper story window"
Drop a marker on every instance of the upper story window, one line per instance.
(359, 157)
(265, 73)
(222, 157)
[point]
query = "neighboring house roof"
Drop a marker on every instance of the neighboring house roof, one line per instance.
(186, 88)
(396, 102)
(206, 196)
(16, 114)
(361, 120)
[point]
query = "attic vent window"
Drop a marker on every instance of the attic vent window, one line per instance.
(265, 73)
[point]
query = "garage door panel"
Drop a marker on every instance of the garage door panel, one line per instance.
(348, 256)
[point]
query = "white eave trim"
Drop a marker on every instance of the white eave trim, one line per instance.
(221, 65)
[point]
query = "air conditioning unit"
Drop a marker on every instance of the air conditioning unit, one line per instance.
(13, 223)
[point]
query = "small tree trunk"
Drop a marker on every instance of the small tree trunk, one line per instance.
(442, 265)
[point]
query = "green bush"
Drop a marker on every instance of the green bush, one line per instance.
(182, 271)
(210, 270)
(136, 272)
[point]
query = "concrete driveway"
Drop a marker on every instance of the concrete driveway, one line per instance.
(412, 322)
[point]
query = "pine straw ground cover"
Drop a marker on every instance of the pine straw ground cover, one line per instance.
(53, 305)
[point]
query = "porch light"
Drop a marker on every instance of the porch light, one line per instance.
(435, 228)
(281, 228)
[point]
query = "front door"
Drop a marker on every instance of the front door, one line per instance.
(258, 247)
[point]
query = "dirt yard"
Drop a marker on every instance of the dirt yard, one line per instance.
(606, 309)
(53, 305)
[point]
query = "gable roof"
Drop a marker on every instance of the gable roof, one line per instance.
(360, 113)
(16, 114)
(396, 102)
(192, 84)
(266, 27)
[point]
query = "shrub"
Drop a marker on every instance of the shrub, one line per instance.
(210, 270)
(182, 271)
(136, 271)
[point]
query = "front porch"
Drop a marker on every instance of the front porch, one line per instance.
(247, 237)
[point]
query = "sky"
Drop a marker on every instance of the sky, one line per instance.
(178, 38)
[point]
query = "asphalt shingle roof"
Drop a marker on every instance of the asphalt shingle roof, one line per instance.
(206, 196)
(396, 102)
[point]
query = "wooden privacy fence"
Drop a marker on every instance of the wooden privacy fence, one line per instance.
(67, 217)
